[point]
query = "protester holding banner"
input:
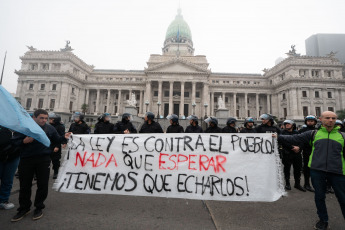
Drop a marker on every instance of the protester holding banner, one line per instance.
(213, 125)
(194, 125)
(267, 125)
(104, 126)
(79, 126)
(291, 156)
(150, 126)
(9, 160)
(327, 162)
(230, 126)
(55, 121)
(174, 126)
(35, 158)
(248, 126)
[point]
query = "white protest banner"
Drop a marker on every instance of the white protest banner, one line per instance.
(229, 167)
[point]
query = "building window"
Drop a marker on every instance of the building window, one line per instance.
(71, 106)
(186, 94)
(317, 94)
(304, 93)
(40, 103)
(197, 94)
(331, 109)
(302, 72)
(31, 86)
(54, 87)
(226, 99)
(105, 109)
(28, 103)
(127, 96)
(215, 99)
(45, 66)
(106, 96)
(73, 91)
(248, 112)
(305, 111)
(318, 111)
(329, 94)
(248, 100)
(137, 97)
(52, 103)
(166, 93)
(315, 73)
(177, 93)
(116, 96)
(237, 113)
(284, 97)
(56, 66)
(43, 86)
(328, 73)
(285, 113)
(33, 66)
(237, 101)
(155, 93)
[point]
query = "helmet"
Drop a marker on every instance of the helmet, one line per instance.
(103, 116)
(231, 120)
(78, 115)
(213, 120)
(125, 115)
(173, 117)
(54, 116)
(193, 117)
(150, 116)
(338, 122)
(310, 117)
(291, 122)
(266, 116)
(248, 120)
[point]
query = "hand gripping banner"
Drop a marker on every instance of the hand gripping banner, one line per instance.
(228, 167)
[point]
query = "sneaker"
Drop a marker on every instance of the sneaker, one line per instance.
(288, 187)
(320, 225)
(20, 215)
(37, 214)
(299, 187)
(309, 188)
(6, 205)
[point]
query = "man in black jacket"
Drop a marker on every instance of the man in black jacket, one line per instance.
(174, 126)
(104, 126)
(79, 126)
(150, 126)
(213, 125)
(230, 126)
(194, 126)
(248, 126)
(125, 126)
(35, 158)
(267, 125)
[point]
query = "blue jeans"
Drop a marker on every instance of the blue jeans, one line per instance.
(319, 180)
(7, 171)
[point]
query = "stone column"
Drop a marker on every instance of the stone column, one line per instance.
(193, 92)
(257, 105)
(119, 103)
(235, 104)
(46, 98)
(245, 104)
(182, 99)
(324, 100)
(299, 103)
(58, 89)
(160, 83)
(108, 101)
(311, 98)
(338, 100)
(212, 104)
(97, 101)
(87, 97)
(148, 94)
(223, 97)
(268, 104)
(206, 98)
(141, 102)
(171, 105)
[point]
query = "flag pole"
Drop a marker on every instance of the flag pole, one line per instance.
(3, 67)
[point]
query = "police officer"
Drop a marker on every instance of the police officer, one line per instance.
(213, 125)
(79, 126)
(310, 122)
(267, 125)
(104, 126)
(340, 124)
(194, 125)
(343, 129)
(125, 126)
(230, 126)
(150, 126)
(55, 121)
(291, 156)
(248, 126)
(174, 126)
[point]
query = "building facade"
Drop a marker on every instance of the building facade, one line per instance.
(179, 82)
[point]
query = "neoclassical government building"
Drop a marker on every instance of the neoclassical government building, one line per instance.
(177, 81)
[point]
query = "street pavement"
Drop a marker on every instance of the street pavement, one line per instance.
(84, 211)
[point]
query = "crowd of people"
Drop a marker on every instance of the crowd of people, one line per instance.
(316, 150)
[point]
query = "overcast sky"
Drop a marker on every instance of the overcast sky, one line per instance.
(236, 36)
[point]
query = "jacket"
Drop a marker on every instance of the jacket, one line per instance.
(102, 127)
(194, 129)
(175, 129)
(267, 129)
(121, 126)
(82, 128)
(214, 129)
(154, 127)
(228, 129)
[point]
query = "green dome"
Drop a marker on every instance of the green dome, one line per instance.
(178, 27)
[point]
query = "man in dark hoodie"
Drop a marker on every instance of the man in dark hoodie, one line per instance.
(35, 158)
(125, 126)
(174, 126)
(194, 126)
(150, 126)
(230, 126)
(55, 121)
(79, 126)
(104, 126)
(213, 125)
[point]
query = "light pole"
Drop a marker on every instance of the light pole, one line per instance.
(147, 104)
(158, 104)
(193, 104)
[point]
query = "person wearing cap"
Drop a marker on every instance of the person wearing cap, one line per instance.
(174, 126)
(213, 125)
(55, 121)
(248, 125)
(125, 126)
(310, 122)
(230, 126)
(104, 126)
(291, 155)
(150, 126)
(193, 126)
(267, 125)
(79, 126)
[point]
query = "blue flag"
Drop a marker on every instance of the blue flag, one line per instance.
(13, 116)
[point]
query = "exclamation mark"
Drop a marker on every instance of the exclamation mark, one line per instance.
(247, 185)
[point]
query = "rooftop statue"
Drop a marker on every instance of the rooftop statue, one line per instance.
(132, 101)
(31, 48)
(67, 47)
(292, 52)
